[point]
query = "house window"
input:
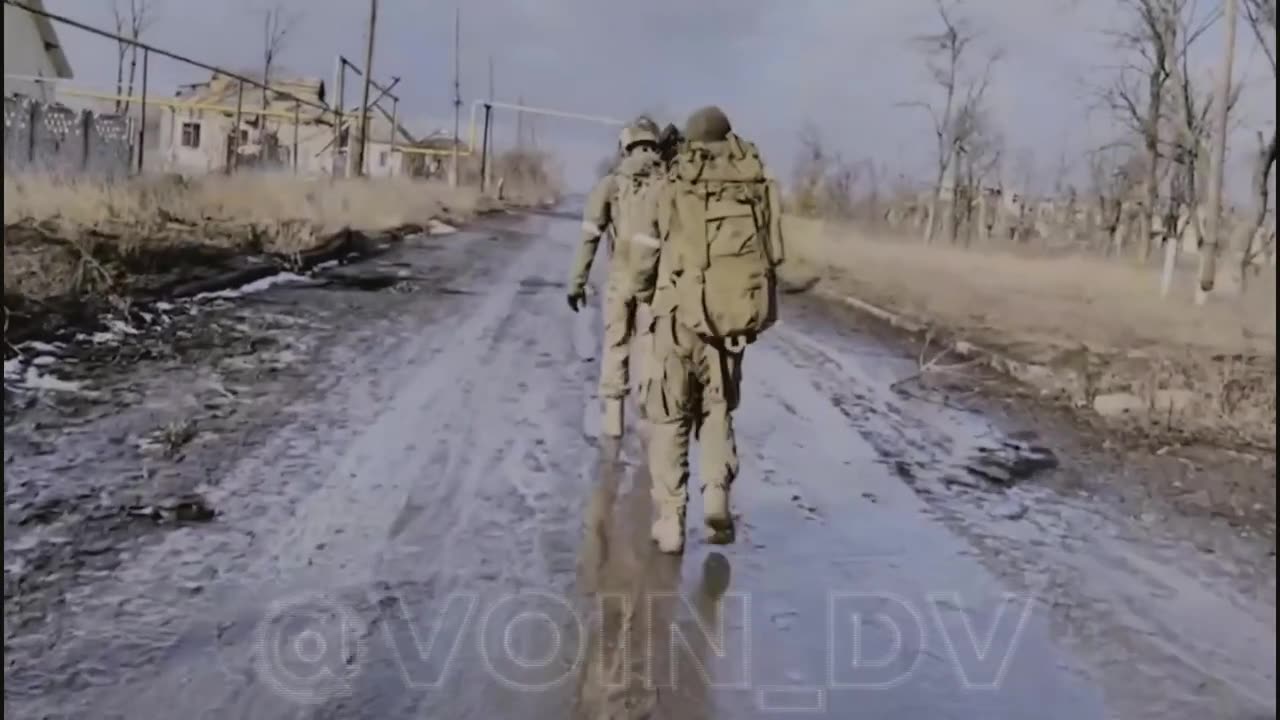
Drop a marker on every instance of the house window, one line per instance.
(191, 134)
(382, 159)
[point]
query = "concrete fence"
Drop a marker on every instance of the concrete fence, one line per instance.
(55, 139)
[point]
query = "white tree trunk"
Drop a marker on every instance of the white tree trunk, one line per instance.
(1170, 265)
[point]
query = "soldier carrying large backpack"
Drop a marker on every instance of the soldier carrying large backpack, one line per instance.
(624, 201)
(719, 225)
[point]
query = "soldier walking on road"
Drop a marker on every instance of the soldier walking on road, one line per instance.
(624, 202)
(719, 225)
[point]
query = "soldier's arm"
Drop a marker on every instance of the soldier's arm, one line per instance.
(777, 248)
(595, 220)
(662, 231)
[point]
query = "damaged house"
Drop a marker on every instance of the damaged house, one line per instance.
(198, 134)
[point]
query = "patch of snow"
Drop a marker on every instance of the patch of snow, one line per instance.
(435, 227)
(163, 306)
(13, 368)
(121, 327)
(35, 380)
(284, 278)
(44, 361)
(41, 347)
(326, 265)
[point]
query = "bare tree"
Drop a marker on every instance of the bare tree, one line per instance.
(982, 159)
(276, 26)
(1261, 16)
(1139, 91)
(1188, 141)
(956, 116)
(130, 22)
(810, 170)
(1115, 170)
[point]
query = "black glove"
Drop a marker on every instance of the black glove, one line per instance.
(577, 299)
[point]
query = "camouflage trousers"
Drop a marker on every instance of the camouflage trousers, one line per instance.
(692, 392)
(625, 332)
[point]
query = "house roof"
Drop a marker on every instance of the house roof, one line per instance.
(223, 90)
(49, 37)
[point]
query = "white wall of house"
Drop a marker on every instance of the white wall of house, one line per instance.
(381, 160)
(25, 54)
(194, 142)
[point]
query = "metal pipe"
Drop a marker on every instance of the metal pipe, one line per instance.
(86, 130)
(296, 122)
(164, 53)
(395, 110)
(166, 102)
(235, 131)
(338, 103)
(544, 111)
(386, 91)
(368, 79)
(142, 126)
(33, 113)
(484, 151)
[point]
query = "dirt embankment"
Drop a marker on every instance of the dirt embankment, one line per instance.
(73, 250)
(1151, 374)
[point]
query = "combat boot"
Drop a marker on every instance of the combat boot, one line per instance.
(612, 420)
(668, 531)
(716, 516)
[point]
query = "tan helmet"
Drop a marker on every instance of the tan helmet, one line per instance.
(707, 124)
(642, 131)
(645, 122)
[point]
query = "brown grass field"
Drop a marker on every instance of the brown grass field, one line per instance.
(1100, 324)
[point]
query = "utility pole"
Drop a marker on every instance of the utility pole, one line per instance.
(1217, 162)
(457, 95)
(487, 165)
(368, 77)
(339, 99)
(520, 124)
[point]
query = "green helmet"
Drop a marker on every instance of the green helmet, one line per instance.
(707, 124)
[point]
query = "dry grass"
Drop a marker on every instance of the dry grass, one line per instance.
(1099, 327)
(68, 239)
(263, 199)
(1072, 300)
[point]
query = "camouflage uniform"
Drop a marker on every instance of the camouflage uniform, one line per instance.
(629, 287)
(693, 391)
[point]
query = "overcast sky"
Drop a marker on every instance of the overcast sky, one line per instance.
(845, 66)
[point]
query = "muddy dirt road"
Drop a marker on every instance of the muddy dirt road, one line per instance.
(415, 518)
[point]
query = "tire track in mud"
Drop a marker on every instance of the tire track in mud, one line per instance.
(453, 458)
(1117, 605)
(259, 503)
(470, 526)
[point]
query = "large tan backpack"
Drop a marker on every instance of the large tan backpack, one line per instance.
(725, 240)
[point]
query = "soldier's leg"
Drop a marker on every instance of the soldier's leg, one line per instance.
(641, 354)
(618, 312)
(669, 468)
(670, 426)
(719, 375)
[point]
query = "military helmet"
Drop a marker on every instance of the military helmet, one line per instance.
(638, 132)
(707, 124)
(645, 122)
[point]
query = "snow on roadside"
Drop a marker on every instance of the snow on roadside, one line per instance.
(19, 374)
(436, 227)
(257, 286)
